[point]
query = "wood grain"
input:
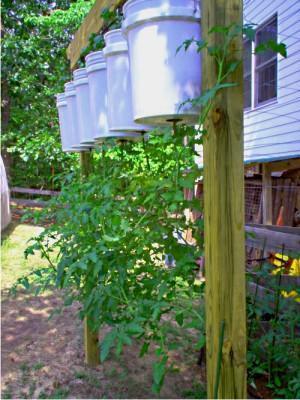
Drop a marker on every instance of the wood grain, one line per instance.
(224, 212)
(91, 24)
(267, 195)
(91, 341)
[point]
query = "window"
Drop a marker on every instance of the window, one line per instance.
(247, 55)
(266, 64)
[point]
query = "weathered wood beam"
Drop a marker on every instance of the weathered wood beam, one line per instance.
(90, 337)
(41, 192)
(91, 24)
(224, 236)
(271, 240)
(293, 163)
(267, 195)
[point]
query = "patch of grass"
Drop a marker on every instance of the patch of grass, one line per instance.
(37, 366)
(32, 389)
(196, 392)
(6, 394)
(59, 393)
(89, 377)
(13, 244)
(24, 368)
(81, 375)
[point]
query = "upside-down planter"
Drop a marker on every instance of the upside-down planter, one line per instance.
(97, 77)
(72, 119)
(161, 79)
(85, 123)
(120, 116)
(61, 104)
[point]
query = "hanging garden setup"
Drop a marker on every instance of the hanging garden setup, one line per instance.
(119, 84)
(97, 77)
(134, 213)
(72, 130)
(162, 80)
(83, 105)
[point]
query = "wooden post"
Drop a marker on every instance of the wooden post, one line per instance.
(91, 340)
(91, 345)
(267, 195)
(224, 215)
(85, 164)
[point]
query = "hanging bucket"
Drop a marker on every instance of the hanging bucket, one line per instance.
(85, 123)
(120, 116)
(66, 140)
(72, 118)
(161, 79)
(96, 72)
(97, 77)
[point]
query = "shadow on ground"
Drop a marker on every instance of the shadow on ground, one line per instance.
(43, 358)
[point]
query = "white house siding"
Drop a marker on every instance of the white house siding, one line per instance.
(272, 131)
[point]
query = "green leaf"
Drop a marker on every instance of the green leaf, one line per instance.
(106, 344)
(159, 370)
(179, 318)
(249, 31)
(134, 329)
(232, 66)
(201, 342)
(219, 29)
(279, 48)
(108, 238)
(144, 349)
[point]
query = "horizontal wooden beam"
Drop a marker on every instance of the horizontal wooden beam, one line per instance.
(294, 230)
(292, 163)
(271, 240)
(28, 203)
(34, 191)
(91, 24)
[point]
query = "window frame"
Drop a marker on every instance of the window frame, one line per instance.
(249, 74)
(259, 67)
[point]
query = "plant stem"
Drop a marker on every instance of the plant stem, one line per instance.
(256, 288)
(275, 321)
(145, 151)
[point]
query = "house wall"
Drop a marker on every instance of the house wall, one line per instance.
(272, 131)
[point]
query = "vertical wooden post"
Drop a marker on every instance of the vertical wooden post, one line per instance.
(267, 195)
(91, 340)
(224, 215)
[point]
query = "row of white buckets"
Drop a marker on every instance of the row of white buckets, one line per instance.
(139, 80)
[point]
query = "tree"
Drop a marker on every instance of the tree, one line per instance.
(34, 68)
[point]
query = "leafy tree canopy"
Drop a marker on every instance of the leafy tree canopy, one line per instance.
(36, 34)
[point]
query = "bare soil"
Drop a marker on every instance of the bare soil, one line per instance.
(42, 350)
(43, 358)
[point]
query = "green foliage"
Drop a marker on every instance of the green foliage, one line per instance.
(111, 234)
(113, 230)
(35, 68)
(273, 342)
(111, 20)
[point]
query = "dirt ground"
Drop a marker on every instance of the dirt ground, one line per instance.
(43, 357)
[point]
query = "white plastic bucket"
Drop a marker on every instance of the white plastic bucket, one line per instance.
(96, 72)
(85, 122)
(120, 115)
(72, 119)
(97, 77)
(161, 79)
(65, 133)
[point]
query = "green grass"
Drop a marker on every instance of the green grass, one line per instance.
(13, 243)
